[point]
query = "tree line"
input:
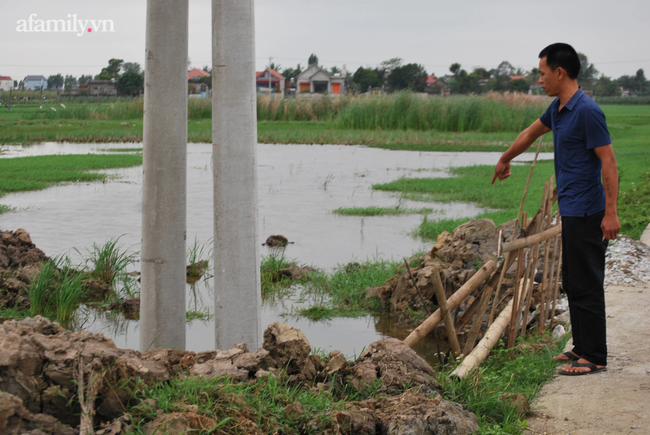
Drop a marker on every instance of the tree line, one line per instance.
(393, 75)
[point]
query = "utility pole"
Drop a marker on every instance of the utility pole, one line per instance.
(270, 76)
(41, 103)
(234, 161)
(162, 309)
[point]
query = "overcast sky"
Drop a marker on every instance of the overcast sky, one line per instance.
(613, 34)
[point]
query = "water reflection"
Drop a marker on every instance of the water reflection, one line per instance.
(298, 187)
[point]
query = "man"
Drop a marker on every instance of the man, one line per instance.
(582, 149)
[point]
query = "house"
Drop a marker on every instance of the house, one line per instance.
(34, 83)
(197, 73)
(102, 87)
(270, 78)
(6, 83)
(316, 80)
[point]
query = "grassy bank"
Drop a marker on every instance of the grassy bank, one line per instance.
(629, 127)
(398, 121)
(33, 173)
(490, 390)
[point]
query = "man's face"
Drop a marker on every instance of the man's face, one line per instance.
(548, 78)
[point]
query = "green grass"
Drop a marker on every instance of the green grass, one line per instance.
(109, 261)
(629, 128)
(343, 292)
(57, 291)
(274, 283)
(34, 173)
(380, 211)
(270, 403)
(524, 369)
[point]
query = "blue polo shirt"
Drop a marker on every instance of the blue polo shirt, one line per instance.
(577, 129)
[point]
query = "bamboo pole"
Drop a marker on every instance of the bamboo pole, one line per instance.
(547, 245)
(530, 240)
(489, 340)
(446, 315)
(427, 326)
(530, 175)
(530, 283)
(557, 280)
(478, 319)
(515, 305)
(528, 289)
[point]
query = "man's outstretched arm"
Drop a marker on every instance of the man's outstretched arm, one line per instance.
(610, 225)
(521, 144)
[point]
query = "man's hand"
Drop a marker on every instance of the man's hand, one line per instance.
(610, 226)
(501, 171)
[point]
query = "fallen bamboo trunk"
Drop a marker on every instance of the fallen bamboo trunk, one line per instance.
(453, 302)
(535, 238)
(489, 340)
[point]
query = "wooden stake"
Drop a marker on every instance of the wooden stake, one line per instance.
(446, 315)
(453, 302)
(547, 245)
(530, 175)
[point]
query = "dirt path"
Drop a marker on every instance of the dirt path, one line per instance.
(616, 401)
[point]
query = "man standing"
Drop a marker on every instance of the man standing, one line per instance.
(582, 149)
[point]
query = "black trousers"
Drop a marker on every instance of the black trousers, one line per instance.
(583, 276)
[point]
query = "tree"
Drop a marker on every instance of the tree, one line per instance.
(519, 85)
(455, 68)
(313, 60)
(410, 76)
(70, 82)
(641, 82)
(605, 87)
(112, 71)
(83, 80)
(335, 70)
(588, 72)
(131, 67)
(291, 73)
(55, 81)
(365, 78)
(505, 69)
(275, 66)
(481, 73)
(130, 83)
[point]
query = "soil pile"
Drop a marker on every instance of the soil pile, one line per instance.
(20, 263)
(49, 375)
(455, 257)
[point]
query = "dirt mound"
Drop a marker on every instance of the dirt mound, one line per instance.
(409, 413)
(20, 262)
(455, 257)
(45, 369)
(396, 364)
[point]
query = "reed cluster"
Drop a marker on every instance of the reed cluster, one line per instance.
(407, 111)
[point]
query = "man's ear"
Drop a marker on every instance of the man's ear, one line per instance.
(560, 72)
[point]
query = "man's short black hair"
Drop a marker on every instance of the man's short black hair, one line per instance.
(562, 55)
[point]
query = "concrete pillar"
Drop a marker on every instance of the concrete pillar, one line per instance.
(234, 161)
(162, 308)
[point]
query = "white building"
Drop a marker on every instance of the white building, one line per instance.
(318, 81)
(34, 83)
(6, 83)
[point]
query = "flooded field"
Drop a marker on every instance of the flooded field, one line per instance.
(298, 187)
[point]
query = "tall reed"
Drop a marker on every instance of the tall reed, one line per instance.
(407, 111)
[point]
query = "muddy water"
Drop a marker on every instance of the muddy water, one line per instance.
(298, 187)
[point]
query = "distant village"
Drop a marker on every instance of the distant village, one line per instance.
(315, 81)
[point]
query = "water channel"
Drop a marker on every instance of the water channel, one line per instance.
(298, 187)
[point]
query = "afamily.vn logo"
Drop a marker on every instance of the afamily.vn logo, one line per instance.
(72, 25)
